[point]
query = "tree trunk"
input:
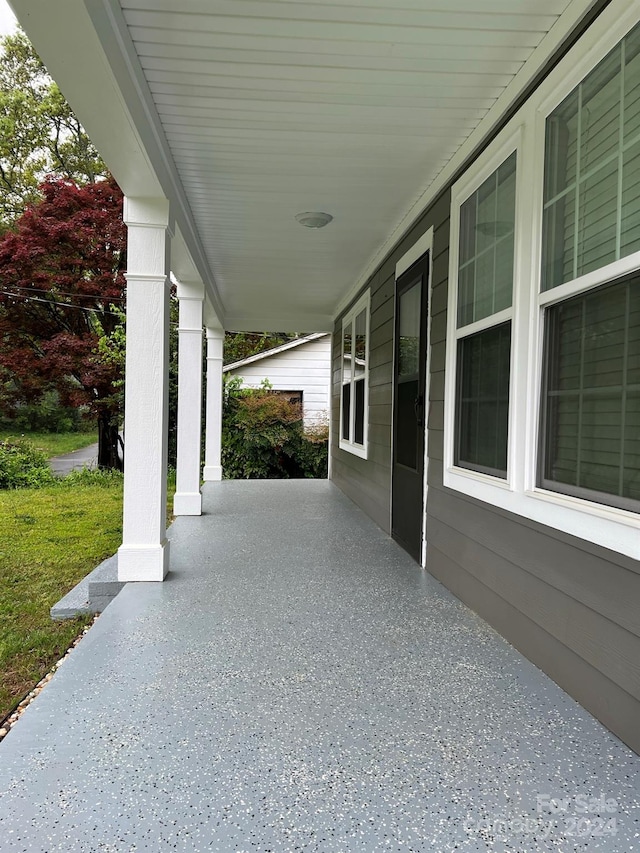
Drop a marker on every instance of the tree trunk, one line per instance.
(109, 443)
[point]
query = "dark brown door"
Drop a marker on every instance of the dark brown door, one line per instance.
(412, 289)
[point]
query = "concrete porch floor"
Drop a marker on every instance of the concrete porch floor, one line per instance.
(299, 684)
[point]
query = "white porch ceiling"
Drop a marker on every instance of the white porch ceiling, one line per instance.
(273, 107)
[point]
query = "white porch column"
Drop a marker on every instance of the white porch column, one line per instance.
(144, 553)
(188, 500)
(213, 439)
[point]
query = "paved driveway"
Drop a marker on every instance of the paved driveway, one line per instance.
(299, 684)
(86, 457)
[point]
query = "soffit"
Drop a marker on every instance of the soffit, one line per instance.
(274, 107)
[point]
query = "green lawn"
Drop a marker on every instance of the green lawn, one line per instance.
(50, 538)
(52, 443)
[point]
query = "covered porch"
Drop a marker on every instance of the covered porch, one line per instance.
(299, 683)
(228, 125)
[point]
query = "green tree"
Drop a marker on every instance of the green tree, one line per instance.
(39, 134)
(58, 276)
(239, 345)
(61, 271)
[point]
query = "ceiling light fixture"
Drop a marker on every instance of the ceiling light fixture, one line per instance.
(314, 219)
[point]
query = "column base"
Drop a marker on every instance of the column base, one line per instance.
(143, 562)
(212, 473)
(187, 503)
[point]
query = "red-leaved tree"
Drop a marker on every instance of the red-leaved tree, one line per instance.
(61, 272)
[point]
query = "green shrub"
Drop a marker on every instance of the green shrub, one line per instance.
(263, 437)
(310, 450)
(44, 415)
(22, 465)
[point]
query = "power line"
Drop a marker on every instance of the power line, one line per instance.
(64, 304)
(61, 304)
(64, 293)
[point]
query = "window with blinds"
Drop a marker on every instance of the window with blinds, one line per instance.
(590, 424)
(485, 293)
(592, 170)
(542, 379)
(591, 399)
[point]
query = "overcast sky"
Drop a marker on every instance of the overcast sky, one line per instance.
(7, 19)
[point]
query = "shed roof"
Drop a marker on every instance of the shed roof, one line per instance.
(274, 351)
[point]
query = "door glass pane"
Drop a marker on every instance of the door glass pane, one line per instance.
(482, 401)
(409, 331)
(406, 424)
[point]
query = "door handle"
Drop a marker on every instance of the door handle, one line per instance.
(418, 408)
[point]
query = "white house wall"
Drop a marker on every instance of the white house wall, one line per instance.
(306, 368)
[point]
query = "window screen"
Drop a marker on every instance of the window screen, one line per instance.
(591, 400)
(482, 404)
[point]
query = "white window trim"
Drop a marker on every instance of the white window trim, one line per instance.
(610, 527)
(360, 450)
(458, 477)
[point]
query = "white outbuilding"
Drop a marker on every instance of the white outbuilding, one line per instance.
(300, 369)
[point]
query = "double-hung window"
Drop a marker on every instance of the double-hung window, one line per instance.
(589, 443)
(542, 384)
(354, 400)
(483, 311)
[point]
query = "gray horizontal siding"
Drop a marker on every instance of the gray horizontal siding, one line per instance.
(614, 706)
(571, 607)
(368, 481)
(535, 590)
